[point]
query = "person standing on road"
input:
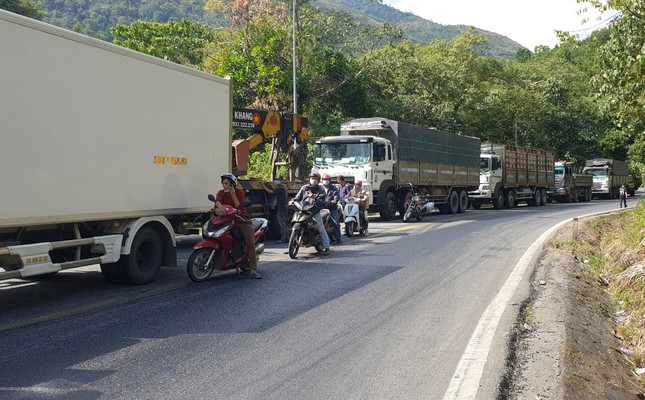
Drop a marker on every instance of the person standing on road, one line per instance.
(623, 196)
(331, 203)
(363, 200)
(232, 196)
(281, 200)
(315, 192)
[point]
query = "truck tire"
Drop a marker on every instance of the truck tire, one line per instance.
(543, 196)
(114, 272)
(452, 207)
(511, 199)
(463, 201)
(389, 207)
(498, 200)
(143, 263)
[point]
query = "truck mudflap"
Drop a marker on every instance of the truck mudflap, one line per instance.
(35, 259)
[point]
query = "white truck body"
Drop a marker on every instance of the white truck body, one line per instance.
(94, 134)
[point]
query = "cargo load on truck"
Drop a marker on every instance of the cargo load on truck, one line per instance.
(608, 176)
(570, 186)
(513, 174)
(106, 152)
(393, 159)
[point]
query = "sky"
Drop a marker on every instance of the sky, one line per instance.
(529, 22)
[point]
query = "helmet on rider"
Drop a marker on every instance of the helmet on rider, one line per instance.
(358, 183)
(326, 180)
(231, 178)
(315, 175)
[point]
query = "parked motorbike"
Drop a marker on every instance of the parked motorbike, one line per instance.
(215, 250)
(351, 216)
(418, 206)
(304, 230)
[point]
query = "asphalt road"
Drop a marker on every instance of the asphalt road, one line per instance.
(385, 316)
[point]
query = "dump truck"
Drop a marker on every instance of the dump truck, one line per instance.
(608, 176)
(570, 185)
(394, 159)
(106, 153)
(513, 174)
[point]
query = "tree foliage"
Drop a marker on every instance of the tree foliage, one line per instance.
(28, 8)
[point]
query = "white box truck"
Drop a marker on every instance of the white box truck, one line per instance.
(105, 152)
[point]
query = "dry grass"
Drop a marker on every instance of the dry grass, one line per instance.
(613, 247)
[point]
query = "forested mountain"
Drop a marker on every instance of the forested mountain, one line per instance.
(95, 17)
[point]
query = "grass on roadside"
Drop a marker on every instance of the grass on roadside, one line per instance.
(613, 248)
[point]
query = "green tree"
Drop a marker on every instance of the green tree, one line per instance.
(28, 8)
(181, 42)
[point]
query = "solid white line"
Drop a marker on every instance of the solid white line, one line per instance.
(465, 381)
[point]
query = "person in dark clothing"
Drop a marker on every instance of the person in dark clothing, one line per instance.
(280, 192)
(331, 203)
(623, 196)
(314, 191)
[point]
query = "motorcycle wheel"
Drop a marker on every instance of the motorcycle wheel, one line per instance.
(407, 215)
(349, 228)
(294, 244)
(197, 269)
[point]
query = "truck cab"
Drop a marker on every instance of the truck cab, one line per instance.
(367, 158)
(490, 176)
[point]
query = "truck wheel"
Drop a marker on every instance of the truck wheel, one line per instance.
(510, 199)
(498, 200)
(389, 208)
(463, 201)
(453, 203)
(543, 196)
(144, 261)
(114, 272)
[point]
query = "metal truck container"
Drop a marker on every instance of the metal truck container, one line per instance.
(511, 174)
(569, 186)
(105, 152)
(393, 158)
(608, 176)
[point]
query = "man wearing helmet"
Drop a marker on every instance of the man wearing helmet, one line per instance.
(314, 191)
(232, 196)
(363, 200)
(332, 197)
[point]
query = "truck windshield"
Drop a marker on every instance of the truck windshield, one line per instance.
(599, 173)
(342, 153)
(559, 171)
(484, 165)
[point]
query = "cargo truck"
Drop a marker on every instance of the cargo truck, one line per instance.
(570, 186)
(393, 159)
(105, 153)
(608, 176)
(512, 174)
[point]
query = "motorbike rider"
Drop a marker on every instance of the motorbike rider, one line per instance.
(232, 196)
(315, 192)
(362, 201)
(331, 203)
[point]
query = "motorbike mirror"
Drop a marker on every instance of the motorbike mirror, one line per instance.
(211, 198)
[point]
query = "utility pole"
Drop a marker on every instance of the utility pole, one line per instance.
(295, 89)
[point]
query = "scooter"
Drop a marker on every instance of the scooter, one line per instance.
(215, 250)
(304, 230)
(418, 206)
(351, 216)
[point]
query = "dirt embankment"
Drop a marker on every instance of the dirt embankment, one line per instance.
(564, 345)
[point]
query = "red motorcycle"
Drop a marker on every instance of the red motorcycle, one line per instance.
(215, 250)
